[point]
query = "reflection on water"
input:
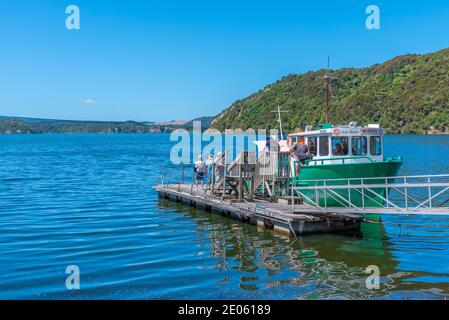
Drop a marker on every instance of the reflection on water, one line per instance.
(307, 267)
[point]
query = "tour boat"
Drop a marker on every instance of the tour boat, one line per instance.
(343, 152)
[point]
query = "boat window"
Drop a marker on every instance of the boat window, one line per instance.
(375, 146)
(293, 141)
(324, 146)
(340, 146)
(311, 142)
(359, 146)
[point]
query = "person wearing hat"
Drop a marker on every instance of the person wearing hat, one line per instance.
(209, 169)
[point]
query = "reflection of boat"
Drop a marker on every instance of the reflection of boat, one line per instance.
(258, 264)
(316, 266)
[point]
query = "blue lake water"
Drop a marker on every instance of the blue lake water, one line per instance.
(87, 200)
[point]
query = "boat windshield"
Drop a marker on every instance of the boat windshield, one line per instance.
(359, 146)
(375, 146)
(312, 144)
(324, 146)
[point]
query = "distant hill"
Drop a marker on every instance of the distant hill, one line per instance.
(31, 125)
(205, 122)
(27, 120)
(408, 94)
(179, 124)
(175, 123)
(21, 125)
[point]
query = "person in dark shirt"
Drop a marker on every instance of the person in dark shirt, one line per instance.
(272, 144)
(300, 152)
(268, 144)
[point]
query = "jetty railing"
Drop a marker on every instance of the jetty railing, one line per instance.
(170, 176)
(424, 194)
(184, 175)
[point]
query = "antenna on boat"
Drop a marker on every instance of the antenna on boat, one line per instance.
(279, 111)
(328, 80)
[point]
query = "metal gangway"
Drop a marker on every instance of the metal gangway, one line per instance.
(409, 195)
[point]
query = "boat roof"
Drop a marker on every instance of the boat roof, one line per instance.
(349, 130)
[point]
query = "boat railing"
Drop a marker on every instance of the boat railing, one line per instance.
(343, 160)
(421, 194)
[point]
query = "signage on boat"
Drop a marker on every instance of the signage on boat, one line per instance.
(373, 131)
(346, 131)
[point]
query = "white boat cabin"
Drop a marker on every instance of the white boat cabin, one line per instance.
(342, 144)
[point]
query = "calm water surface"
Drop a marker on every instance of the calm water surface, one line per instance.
(86, 200)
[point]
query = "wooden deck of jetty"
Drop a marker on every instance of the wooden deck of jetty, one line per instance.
(279, 217)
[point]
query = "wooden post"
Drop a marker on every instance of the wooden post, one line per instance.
(224, 175)
(240, 186)
(212, 188)
(293, 200)
(181, 179)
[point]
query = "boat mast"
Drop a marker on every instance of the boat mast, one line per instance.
(278, 111)
(328, 80)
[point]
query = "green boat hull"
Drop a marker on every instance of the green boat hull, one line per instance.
(389, 168)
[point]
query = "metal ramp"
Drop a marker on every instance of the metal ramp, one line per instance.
(408, 195)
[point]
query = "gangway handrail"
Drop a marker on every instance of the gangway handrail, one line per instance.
(410, 194)
(374, 185)
(297, 179)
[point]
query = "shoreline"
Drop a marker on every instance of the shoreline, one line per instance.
(190, 132)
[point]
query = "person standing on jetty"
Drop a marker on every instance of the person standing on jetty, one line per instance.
(209, 170)
(219, 167)
(272, 144)
(200, 170)
(300, 151)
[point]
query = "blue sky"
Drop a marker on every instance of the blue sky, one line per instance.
(163, 60)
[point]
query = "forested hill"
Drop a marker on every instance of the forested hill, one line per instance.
(24, 126)
(408, 94)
